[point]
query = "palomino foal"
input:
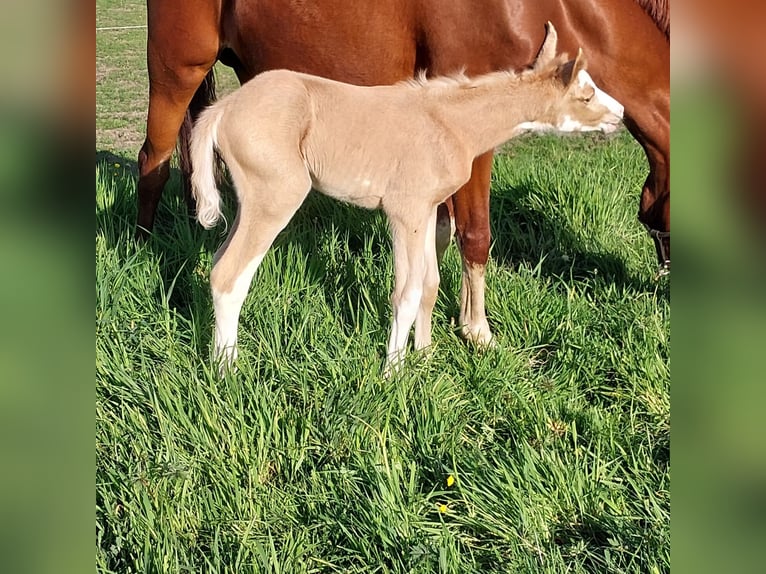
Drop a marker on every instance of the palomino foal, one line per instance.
(403, 148)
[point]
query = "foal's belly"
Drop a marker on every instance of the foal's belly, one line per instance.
(357, 191)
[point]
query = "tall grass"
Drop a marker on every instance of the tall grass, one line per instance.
(305, 460)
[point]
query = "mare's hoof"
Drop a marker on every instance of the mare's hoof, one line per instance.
(142, 234)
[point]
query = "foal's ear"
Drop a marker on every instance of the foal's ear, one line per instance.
(580, 63)
(547, 52)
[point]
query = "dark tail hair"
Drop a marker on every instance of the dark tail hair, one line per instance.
(203, 97)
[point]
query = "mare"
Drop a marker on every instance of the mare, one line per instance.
(403, 148)
(368, 42)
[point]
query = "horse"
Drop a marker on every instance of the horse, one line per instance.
(404, 149)
(375, 43)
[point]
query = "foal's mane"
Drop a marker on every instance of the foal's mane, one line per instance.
(659, 11)
(456, 80)
(461, 81)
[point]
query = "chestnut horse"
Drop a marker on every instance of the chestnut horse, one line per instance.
(368, 42)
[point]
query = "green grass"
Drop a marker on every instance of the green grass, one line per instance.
(307, 460)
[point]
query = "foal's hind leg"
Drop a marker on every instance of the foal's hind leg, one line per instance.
(265, 209)
(235, 265)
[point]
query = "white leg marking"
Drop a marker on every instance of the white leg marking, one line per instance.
(410, 269)
(227, 307)
(401, 272)
(473, 320)
(405, 312)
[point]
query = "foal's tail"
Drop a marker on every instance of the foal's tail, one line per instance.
(203, 97)
(204, 140)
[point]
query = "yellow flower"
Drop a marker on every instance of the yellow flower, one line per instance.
(442, 508)
(450, 480)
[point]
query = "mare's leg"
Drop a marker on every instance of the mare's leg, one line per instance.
(430, 286)
(635, 69)
(409, 272)
(181, 49)
(648, 120)
(266, 207)
(654, 207)
(471, 208)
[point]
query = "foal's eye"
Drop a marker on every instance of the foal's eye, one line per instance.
(587, 99)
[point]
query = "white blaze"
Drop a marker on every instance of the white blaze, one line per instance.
(602, 97)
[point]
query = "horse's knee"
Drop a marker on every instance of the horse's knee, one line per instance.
(474, 244)
(220, 279)
(406, 305)
(152, 168)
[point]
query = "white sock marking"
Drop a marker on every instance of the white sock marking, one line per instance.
(227, 307)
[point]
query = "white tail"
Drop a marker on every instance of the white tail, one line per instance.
(204, 187)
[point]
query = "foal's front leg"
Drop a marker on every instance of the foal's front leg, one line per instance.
(409, 236)
(430, 286)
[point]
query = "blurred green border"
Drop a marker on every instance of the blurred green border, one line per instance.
(719, 322)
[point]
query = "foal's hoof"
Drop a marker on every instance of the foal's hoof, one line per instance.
(390, 369)
(225, 359)
(481, 336)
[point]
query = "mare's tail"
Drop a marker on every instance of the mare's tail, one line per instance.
(203, 163)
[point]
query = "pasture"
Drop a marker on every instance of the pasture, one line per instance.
(547, 453)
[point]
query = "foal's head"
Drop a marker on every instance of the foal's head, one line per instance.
(581, 106)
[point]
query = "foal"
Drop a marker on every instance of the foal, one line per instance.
(403, 148)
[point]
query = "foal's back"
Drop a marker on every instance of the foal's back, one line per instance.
(359, 144)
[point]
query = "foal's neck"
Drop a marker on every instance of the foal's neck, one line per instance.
(487, 111)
